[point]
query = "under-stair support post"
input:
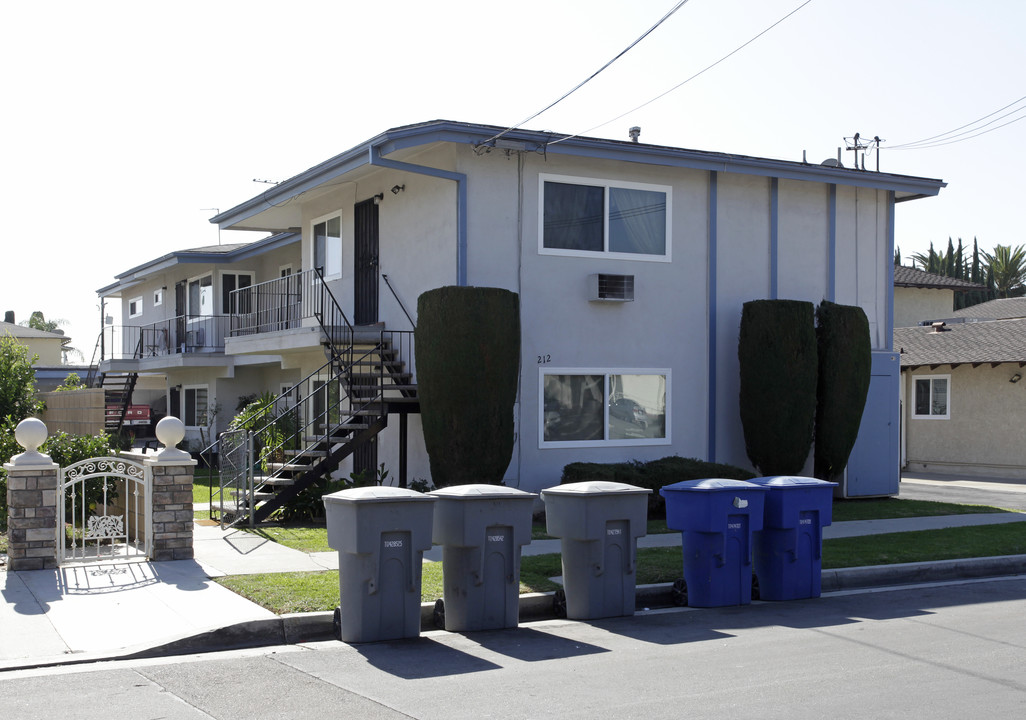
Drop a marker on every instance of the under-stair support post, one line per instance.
(31, 502)
(172, 514)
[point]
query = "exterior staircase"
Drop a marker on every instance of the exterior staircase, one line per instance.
(318, 423)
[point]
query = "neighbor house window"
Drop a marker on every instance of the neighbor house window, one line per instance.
(194, 412)
(135, 307)
(158, 297)
(327, 246)
(583, 217)
(231, 282)
(587, 408)
(932, 397)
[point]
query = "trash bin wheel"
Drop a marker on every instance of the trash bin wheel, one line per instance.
(559, 603)
(755, 587)
(439, 614)
(679, 592)
(336, 623)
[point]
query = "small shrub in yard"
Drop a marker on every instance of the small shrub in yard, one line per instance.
(653, 475)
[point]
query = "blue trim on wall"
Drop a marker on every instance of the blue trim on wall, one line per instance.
(712, 315)
(889, 339)
(461, 203)
(774, 238)
(832, 249)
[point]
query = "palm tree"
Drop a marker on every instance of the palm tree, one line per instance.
(1008, 268)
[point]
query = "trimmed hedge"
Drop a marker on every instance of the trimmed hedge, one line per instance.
(845, 367)
(468, 364)
(779, 368)
(652, 475)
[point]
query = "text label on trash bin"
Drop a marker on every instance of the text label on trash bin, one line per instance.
(613, 531)
(496, 538)
(733, 526)
(393, 543)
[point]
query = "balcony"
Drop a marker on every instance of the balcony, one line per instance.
(182, 335)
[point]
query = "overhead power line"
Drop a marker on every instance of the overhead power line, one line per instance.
(685, 82)
(969, 130)
(591, 77)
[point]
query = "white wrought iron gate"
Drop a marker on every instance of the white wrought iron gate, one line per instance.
(104, 507)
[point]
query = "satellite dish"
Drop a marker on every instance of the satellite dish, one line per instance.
(831, 162)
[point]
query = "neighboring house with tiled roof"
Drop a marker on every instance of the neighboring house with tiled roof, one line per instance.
(963, 399)
(46, 345)
(920, 295)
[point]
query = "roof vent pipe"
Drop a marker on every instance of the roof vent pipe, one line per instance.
(635, 133)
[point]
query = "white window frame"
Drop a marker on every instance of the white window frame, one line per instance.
(158, 297)
(184, 404)
(947, 406)
(606, 184)
(331, 271)
(138, 302)
(606, 372)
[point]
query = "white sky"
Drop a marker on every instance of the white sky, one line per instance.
(123, 123)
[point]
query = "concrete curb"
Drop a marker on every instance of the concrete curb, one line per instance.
(309, 627)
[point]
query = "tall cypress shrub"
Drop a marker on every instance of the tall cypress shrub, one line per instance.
(845, 366)
(777, 356)
(467, 345)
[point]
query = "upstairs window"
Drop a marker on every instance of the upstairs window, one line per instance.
(586, 217)
(201, 297)
(231, 282)
(932, 397)
(135, 307)
(327, 246)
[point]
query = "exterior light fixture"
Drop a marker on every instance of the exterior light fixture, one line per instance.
(396, 189)
(378, 198)
(1015, 378)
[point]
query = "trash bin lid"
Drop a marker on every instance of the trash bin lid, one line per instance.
(594, 487)
(782, 481)
(480, 491)
(710, 485)
(375, 493)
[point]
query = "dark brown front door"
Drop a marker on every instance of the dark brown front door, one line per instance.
(365, 301)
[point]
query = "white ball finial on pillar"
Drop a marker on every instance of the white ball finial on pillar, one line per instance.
(30, 434)
(171, 431)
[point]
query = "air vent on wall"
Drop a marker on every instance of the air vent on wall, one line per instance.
(611, 288)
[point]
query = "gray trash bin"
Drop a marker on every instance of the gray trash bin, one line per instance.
(481, 529)
(381, 534)
(599, 524)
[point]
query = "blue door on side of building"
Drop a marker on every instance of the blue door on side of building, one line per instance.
(874, 467)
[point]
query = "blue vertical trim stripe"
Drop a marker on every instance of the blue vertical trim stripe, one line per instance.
(889, 275)
(832, 251)
(712, 316)
(774, 238)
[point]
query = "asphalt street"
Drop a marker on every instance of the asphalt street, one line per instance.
(940, 651)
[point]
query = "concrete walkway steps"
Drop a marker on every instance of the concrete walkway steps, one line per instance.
(82, 613)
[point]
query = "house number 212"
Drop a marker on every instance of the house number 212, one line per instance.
(542, 359)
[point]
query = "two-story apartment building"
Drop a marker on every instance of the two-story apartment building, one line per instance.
(632, 262)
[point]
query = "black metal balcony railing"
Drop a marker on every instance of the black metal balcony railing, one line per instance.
(279, 304)
(178, 335)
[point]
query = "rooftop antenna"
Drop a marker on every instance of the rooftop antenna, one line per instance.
(215, 211)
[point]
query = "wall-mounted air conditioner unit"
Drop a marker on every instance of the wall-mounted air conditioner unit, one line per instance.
(610, 288)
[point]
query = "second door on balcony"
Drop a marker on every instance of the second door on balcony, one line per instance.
(365, 301)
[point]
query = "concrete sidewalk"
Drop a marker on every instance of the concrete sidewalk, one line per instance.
(83, 613)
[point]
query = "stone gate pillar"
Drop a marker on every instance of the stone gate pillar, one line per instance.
(31, 502)
(171, 494)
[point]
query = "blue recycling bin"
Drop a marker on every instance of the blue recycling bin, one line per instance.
(788, 551)
(716, 518)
